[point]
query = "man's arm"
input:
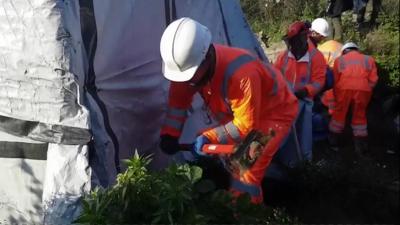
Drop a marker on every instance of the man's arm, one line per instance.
(179, 100)
(244, 94)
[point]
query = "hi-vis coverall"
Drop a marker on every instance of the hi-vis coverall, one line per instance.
(331, 50)
(307, 72)
(243, 94)
(355, 76)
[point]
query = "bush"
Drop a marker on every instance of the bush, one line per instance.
(383, 43)
(177, 195)
(272, 17)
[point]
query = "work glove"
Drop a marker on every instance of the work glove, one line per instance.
(300, 94)
(198, 145)
(169, 144)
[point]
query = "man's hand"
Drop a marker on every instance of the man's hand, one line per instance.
(169, 144)
(300, 94)
(198, 145)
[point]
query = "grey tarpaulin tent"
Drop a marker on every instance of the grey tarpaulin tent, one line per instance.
(81, 88)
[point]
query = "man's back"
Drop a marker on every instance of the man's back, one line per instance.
(355, 71)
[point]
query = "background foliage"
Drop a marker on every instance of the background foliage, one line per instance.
(272, 17)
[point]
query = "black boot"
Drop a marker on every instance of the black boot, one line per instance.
(361, 146)
(333, 139)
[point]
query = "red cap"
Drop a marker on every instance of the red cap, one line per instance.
(295, 28)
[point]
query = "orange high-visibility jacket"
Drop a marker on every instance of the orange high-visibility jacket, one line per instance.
(355, 71)
(307, 72)
(331, 50)
(243, 94)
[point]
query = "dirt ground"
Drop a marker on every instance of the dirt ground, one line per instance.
(342, 187)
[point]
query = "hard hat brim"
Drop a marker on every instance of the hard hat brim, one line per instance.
(174, 74)
(349, 45)
(321, 33)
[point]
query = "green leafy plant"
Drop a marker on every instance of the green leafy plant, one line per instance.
(272, 17)
(176, 195)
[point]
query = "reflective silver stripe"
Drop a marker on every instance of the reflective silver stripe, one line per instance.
(233, 131)
(312, 54)
(253, 190)
(273, 75)
(335, 126)
(222, 136)
(344, 64)
(229, 71)
(336, 123)
(353, 62)
(316, 85)
(290, 85)
(360, 132)
(341, 64)
(366, 64)
(176, 112)
(363, 63)
(176, 124)
(359, 127)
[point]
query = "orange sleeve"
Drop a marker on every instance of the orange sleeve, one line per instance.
(373, 75)
(179, 101)
(244, 94)
(318, 71)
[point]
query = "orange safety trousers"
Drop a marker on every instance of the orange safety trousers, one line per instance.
(328, 100)
(358, 101)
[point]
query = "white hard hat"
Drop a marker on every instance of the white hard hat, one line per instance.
(184, 45)
(349, 45)
(320, 26)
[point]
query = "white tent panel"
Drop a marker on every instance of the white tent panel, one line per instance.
(21, 190)
(45, 96)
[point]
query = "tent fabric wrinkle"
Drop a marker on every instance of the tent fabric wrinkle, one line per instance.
(45, 132)
(23, 150)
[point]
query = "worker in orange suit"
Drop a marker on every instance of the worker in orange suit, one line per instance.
(241, 92)
(355, 76)
(303, 67)
(331, 50)
(319, 31)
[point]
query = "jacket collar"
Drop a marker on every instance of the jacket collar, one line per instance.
(305, 58)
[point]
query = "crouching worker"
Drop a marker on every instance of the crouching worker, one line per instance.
(241, 93)
(355, 76)
(303, 68)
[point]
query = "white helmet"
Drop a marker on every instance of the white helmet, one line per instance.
(184, 45)
(349, 45)
(320, 26)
